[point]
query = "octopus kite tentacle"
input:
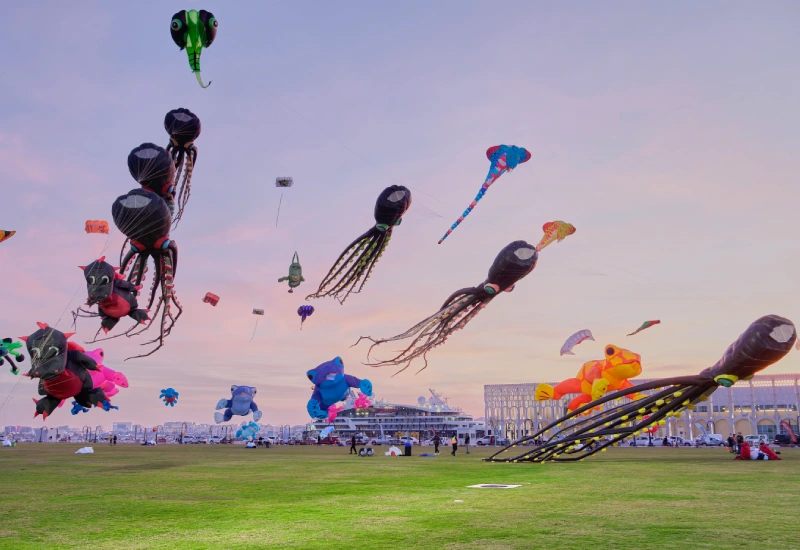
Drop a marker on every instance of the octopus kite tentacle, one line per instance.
(512, 264)
(765, 342)
(364, 252)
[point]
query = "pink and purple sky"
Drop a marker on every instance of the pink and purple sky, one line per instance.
(667, 134)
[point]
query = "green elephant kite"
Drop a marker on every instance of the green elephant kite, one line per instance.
(194, 30)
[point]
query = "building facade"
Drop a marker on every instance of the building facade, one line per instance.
(756, 406)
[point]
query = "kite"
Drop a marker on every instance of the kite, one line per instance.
(596, 378)
(63, 369)
(326, 432)
(574, 340)
(514, 262)
(303, 312)
(646, 324)
(105, 378)
(366, 250)
(114, 297)
(295, 274)
(5, 235)
(283, 183)
(143, 217)
(765, 342)
(555, 231)
(212, 299)
(8, 349)
(332, 385)
(240, 404)
(256, 312)
(183, 128)
(194, 31)
(97, 226)
(152, 167)
(169, 396)
(248, 431)
(504, 158)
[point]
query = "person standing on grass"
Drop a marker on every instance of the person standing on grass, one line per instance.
(319, 440)
(739, 441)
(115, 439)
(436, 441)
(353, 444)
(466, 442)
(454, 442)
(730, 443)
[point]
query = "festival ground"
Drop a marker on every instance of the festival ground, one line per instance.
(220, 496)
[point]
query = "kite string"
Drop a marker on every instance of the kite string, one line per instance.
(254, 330)
(279, 210)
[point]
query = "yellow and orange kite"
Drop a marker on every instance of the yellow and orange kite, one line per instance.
(555, 231)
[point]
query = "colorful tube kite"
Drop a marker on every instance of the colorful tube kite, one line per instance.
(765, 342)
(646, 324)
(504, 158)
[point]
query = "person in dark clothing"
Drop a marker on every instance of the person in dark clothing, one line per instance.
(739, 441)
(466, 442)
(353, 444)
(436, 442)
(454, 442)
(319, 440)
(115, 439)
(730, 443)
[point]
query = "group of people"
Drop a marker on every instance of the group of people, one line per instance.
(436, 442)
(743, 451)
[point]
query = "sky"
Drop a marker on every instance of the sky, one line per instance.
(667, 134)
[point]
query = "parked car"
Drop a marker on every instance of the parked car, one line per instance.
(643, 441)
(380, 441)
(679, 441)
(710, 440)
(414, 440)
(783, 439)
(756, 440)
(188, 439)
(215, 440)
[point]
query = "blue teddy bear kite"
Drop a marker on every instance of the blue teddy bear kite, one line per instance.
(240, 404)
(332, 385)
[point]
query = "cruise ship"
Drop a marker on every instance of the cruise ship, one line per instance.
(387, 420)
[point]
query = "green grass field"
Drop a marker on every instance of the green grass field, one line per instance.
(221, 496)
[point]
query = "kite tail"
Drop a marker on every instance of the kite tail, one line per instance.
(494, 172)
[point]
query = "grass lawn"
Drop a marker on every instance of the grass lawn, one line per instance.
(221, 496)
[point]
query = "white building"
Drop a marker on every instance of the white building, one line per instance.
(395, 419)
(756, 406)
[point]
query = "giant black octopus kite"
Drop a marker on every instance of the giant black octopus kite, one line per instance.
(144, 218)
(766, 341)
(513, 263)
(366, 250)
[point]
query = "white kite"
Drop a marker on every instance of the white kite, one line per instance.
(574, 340)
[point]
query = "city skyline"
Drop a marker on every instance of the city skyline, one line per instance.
(672, 153)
